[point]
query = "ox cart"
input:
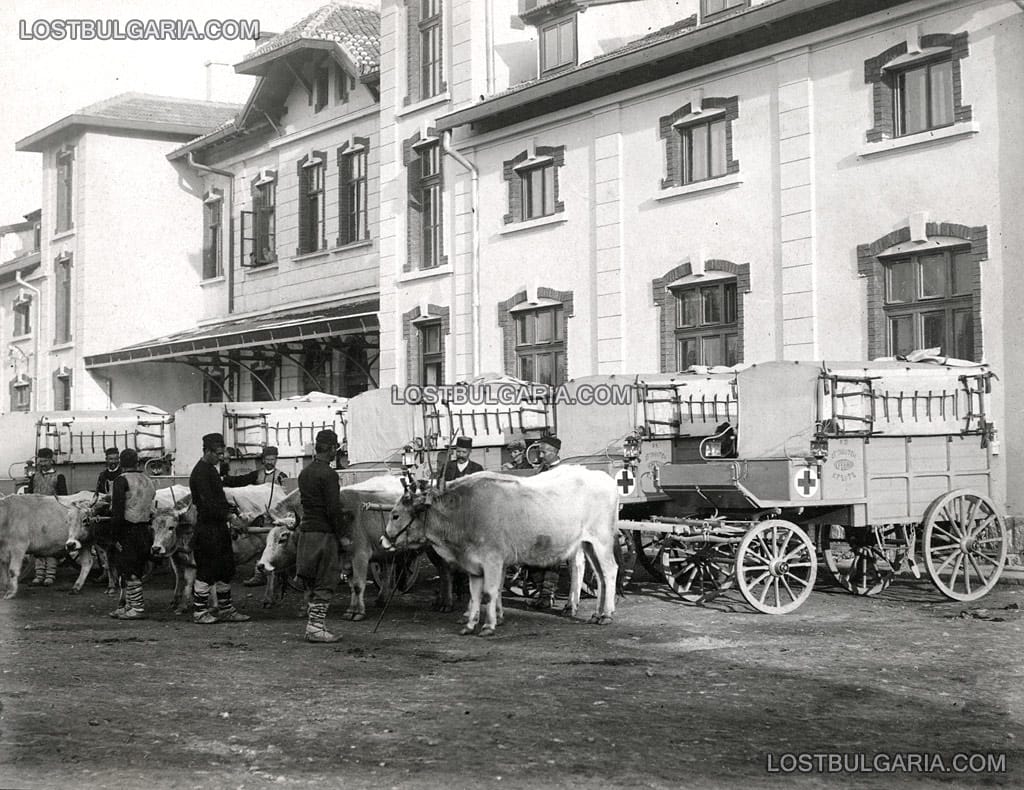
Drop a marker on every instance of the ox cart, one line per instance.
(749, 478)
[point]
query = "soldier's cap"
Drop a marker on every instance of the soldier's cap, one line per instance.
(517, 446)
(111, 451)
(213, 441)
(552, 441)
(129, 457)
(44, 452)
(464, 442)
(327, 437)
(269, 450)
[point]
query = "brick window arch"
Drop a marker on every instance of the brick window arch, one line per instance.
(937, 69)
(675, 333)
(533, 182)
(925, 294)
(699, 141)
(535, 336)
(424, 337)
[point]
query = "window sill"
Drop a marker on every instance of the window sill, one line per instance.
(425, 274)
(63, 234)
(530, 224)
(212, 281)
(921, 138)
(311, 256)
(21, 338)
(731, 180)
(353, 245)
(441, 98)
(63, 346)
(263, 267)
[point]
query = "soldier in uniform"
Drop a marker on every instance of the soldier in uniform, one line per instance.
(215, 558)
(318, 561)
(46, 480)
(131, 506)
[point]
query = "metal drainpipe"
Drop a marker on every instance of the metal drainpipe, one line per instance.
(35, 339)
(474, 197)
(229, 270)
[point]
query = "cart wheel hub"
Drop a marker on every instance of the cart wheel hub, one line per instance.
(779, 568)
(967, 544)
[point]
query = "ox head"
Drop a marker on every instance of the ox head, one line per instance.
(81, 522)
(405, 528)
(167, 523)
(279, 553)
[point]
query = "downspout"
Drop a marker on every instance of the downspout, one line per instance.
(35, 339)
(229, 270)
(474, 199)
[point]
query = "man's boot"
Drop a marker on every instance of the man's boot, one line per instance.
(136, 607)
(40, 573)
(316, 628)
(201, 614)
(228, 613)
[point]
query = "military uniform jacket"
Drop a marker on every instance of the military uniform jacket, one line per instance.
(208, 494)
(320, 494)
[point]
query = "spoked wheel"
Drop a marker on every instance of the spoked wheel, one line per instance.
(648, 547)
(776, 566)
(697, 571)
(863, 560)
(625, 556)
(965, 544)
(398, 572)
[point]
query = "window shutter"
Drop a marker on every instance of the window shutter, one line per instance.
(248, 242)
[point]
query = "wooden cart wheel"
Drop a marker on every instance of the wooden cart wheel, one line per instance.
(626, 558)
(965, 544)
(696, 571)
(648, 547)
(859, 559)
(399, 571)
(776, 566)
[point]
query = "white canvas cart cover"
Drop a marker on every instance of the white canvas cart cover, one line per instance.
(777, 409)
(594, 428)
(377, 428)
(691, 403)
(289, 425)
(82, 436)
(492, 411)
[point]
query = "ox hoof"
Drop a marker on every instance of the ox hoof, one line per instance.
(601, 619)
(75, 591)
(358, 617)
(266, 604)
(467, 631)
(111, 591)
(487, 630)
(569, 612)
(8, 595)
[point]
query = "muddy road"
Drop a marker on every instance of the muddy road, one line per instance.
(668, 696)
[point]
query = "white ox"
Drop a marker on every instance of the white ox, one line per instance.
(42, 526)
(486, 521)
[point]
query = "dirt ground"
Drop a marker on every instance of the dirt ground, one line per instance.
(670, 695)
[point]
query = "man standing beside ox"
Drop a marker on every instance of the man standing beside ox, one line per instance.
(318, 561)
(131, 505)
(215, 558)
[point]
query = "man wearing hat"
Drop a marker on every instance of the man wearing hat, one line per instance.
(267, 473)
(112, 471)
(131, 506)
(462, 465)
(215, 558)
(518, 451)
(46, 480)
(547, 578)
(318, 561)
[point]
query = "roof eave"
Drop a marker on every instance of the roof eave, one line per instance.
(42, 140)
(258, 66)
(640, 65)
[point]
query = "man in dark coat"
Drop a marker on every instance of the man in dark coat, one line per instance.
(215, 558)
(46, 480)
(318, 560)
(462, 465)
(110, 473)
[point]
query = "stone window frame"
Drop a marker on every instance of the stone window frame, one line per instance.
(263, 211)
(22, 306)
(415, 26)
(64, 203)
(411, 338)
(304, 167)
(507, 324)
(63, 298)
(871, 267)
(512, 170)
(21, 385)
(726, 108)
(664, 300)
(883, 83)
(213, 249)
(355, 147)
(414, 212)
(62, 383)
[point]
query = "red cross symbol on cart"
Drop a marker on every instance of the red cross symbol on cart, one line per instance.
(806, 481)
(625, 482)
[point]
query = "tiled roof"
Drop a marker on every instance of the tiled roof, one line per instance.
(161, 109)
(353, 25)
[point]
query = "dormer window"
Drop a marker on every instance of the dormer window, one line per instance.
(321, 87)
(558, 44)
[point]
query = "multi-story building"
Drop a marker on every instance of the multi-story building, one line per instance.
(572, 193)
(111, 263)
(19, 280)
(282, 224)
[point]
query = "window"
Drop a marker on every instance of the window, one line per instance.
(699, 141)
(321, 87)
(215, 383)
(263, 382)
(558, 45)
(425, 217)
(62, 391)
(712, 7)
(533, 183)
(431, 342)
(540, 345)
(259, 226)
(21, 393)
(703, 150)
(62, 300)
(928, 303)
(65, 182)
(213, 265)
(311, 203)
(706, 326)
(354, 205)
(538, 185)
(341, 85)
(430, 55)
(924, 97)
(22, 316)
